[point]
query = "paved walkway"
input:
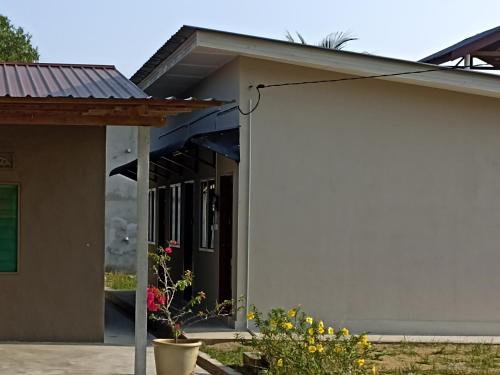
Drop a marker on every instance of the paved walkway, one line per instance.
(114, 357)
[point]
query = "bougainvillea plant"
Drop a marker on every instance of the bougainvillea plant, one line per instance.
(176, 313)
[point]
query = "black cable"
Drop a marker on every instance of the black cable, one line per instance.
(363, 77)
(263, 86)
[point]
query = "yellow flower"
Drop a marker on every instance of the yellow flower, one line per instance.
(251, 316)
(273, 324)
(363, 341)
(312, 349)
(374, 370)
(310, 331)
(330, 331)
(320, 348)
(339, 349)
(309, 320)
(292, 313)
(360, 362)
(287, 325)
(311, 340)
(344, 332)
(321, 330)
(321, 324)
(279, 363)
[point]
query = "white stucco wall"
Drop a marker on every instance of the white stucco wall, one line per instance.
(374, 204)
(121, 203)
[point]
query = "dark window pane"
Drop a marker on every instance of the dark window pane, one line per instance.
(8, 227)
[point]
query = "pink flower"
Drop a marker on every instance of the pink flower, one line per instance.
(173, 242)
(153, 307)
(162, 299)
(168, 250)
(155, 299)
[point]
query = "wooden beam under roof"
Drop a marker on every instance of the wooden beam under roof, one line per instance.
(95, 112)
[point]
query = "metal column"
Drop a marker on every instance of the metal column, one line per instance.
(143, 140)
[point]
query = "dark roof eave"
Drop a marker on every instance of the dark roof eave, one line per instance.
(464, 47)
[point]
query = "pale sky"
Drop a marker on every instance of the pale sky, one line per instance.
(126, 33)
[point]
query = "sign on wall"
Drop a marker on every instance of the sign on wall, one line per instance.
(6, 160)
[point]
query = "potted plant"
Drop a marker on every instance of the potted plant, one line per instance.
(177, 355)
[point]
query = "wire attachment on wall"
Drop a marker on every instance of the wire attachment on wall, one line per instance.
(258, 87)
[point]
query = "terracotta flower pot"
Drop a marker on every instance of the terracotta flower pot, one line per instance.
(173, 358)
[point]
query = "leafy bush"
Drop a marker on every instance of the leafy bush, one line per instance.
(293, 343)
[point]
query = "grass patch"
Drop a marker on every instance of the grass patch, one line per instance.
(228, 353)
(400, 359)
(119, 281)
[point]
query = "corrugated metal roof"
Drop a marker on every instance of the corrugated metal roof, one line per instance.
(65, 80)
(163, 52)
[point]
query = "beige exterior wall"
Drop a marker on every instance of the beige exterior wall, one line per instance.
(58, 292)
(373, 204)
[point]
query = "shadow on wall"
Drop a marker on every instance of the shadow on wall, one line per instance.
(122, 244)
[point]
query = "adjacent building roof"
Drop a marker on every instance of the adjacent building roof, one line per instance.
(65, 80)
(193, 53)
(485, 45)
(62, 94)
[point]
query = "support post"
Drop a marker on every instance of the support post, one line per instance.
(468, 61)
(143, 139)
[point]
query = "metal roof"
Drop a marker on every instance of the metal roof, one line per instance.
(215, 129)
(163, 52)
(488, 40)
(40, 80)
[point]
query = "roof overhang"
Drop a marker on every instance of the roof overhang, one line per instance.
(192, 54)
(95, 111)
(485, 46)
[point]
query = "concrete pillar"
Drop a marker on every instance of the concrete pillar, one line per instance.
(143, 140)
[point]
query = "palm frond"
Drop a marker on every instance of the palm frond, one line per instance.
(289, 37)
(301, 38)
(337, 40)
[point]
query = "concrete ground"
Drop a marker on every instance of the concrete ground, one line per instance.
(114, 357)
(210, 331)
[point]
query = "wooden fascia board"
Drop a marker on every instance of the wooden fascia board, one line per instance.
(352, 63)
(72, 119)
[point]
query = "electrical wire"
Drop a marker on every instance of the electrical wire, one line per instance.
(284, 84)
(261, 86)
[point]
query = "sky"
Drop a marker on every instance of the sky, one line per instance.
(126, 33)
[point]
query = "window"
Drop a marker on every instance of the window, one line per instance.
(152, 216)
(207, 214)
(8, 227)
(175, 213)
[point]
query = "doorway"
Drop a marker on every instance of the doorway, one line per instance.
(225, 237)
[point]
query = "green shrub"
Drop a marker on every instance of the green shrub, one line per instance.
(293, 343)
(119, 281)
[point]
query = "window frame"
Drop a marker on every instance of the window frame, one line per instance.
(152, 219)
(178, 228)
(18, 242)
(205, 227)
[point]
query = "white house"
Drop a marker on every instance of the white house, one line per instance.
(371, 202)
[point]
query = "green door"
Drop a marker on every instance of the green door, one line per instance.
(8, 227)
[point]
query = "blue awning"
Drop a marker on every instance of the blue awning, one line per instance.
(215, 129)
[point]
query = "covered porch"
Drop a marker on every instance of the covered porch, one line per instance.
(53, 120)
